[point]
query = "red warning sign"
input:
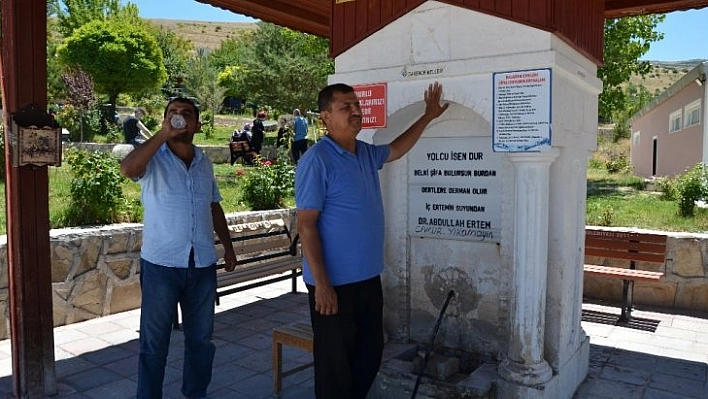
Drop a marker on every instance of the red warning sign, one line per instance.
(372, 99)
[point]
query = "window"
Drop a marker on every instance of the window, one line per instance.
(693, 113)
(675, 121)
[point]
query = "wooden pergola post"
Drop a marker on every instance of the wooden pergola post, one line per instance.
(24, 83)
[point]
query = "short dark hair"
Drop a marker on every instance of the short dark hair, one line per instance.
(183, 100)
(324, 99)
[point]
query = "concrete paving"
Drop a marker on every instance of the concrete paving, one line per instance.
(659, 355)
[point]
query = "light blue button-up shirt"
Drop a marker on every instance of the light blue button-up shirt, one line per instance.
(177, 204)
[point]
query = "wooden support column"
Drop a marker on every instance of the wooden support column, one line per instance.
(24, 82)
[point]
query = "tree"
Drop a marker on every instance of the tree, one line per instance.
(119, 57)
(201, 82)
(175, 53)
(626, 40)
(231, 51)
(73, 14)
(279, 67)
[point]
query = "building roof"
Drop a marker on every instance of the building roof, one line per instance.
(695, 75)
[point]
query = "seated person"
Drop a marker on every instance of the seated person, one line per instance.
(134, 131)
(241, 146)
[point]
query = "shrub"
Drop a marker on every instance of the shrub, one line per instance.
(606, 218)
(618, 164)
(668, 188)
(96, 189)
(267, 184)
(613, 157)
(691, 188)
(82, 125)
(207, 126)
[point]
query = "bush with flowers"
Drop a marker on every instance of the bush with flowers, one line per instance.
(268, 183)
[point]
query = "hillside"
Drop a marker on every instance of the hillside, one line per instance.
(665, 74)
(204, 34)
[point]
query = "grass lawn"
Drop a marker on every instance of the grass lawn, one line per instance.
(619, 200)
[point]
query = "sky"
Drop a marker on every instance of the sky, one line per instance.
(684, 37)
(684, 31)
(189, 10)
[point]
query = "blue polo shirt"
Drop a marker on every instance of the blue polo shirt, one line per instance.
(345, 189)
(300, 128)
(177, 204)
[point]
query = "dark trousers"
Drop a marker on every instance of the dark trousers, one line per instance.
(348, 346)
(298, 148)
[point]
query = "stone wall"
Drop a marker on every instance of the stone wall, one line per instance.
(95, 271)
(684, 285)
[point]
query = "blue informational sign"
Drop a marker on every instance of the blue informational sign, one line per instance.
(521, 120)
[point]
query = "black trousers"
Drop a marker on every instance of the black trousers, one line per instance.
(348, 346)
(298, 148)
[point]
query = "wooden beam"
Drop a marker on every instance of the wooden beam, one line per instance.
(309, 16)
(24, 82)
(627, 8)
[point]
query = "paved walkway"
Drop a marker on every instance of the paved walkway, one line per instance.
(658, 356)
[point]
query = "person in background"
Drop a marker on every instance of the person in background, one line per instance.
(284, 134)
(178, 258)
(300, 135)
(134, 131)
(341, 224)
(258, 132)
(240, 146)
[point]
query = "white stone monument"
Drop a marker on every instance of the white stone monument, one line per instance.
(501, 225)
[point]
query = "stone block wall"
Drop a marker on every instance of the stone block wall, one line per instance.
(685, 282)
(95, 271)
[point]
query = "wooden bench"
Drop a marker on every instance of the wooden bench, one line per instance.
(265, 252)
(631, 248)
(298, 335)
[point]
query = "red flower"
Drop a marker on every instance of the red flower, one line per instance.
(267, 163)
(240, 172)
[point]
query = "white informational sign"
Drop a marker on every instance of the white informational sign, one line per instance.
(454, 189)
(522, 111)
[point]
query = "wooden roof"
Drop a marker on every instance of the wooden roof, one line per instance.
(578, 22)
(626, 8)
(310, 16)
(313, 16)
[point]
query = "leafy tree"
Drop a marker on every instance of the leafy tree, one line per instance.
(230, 52)
(73, 14)
(175, 53)
(626, 40)
(79, 86)
(201, 82)
(81, 97)
(279, 67)
(120, 57)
